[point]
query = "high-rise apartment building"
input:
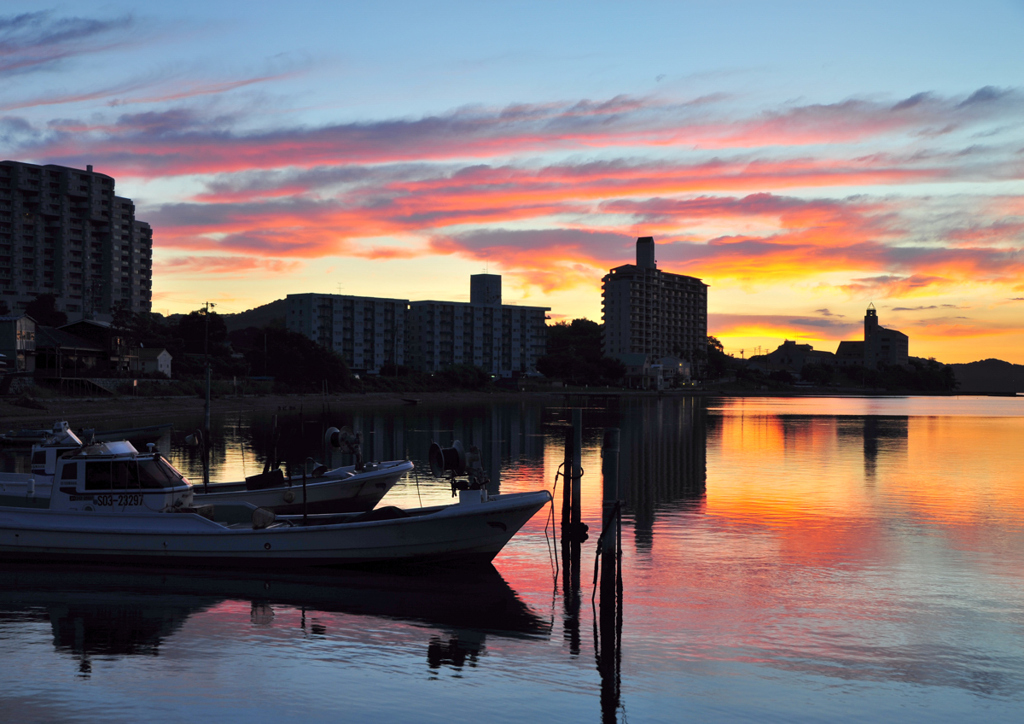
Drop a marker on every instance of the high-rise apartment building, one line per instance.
(653, 312)
(368, 332)
(501, 339)
(64, 232)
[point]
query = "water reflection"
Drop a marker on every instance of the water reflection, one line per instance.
(241, 444)
(882, 435)
(664, 459)
(853, 557)
(102, 613)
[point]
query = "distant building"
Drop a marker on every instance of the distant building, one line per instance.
(881, 346)
(368, 332)
(60, 354)
(428, 336)
(155, 361)
(64, 232)
(792, 357)
(118, 356)
(653, 312)
(850, 353)
(18, 342)
(502, 339)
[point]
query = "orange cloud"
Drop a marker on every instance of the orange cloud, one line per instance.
(221, 265)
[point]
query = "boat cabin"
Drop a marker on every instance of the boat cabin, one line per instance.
(45, 454)
(115, 477)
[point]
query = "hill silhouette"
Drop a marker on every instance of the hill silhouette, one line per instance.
(989, 375)
(272, 314)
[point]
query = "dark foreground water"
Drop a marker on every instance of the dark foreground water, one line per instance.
(783, 559)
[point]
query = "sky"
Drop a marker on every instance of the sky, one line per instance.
(803, 159)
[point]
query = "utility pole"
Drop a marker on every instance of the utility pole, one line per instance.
(206, 359)
(206, 426)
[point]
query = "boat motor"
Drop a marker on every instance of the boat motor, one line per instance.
(346, 441)
(455, 461)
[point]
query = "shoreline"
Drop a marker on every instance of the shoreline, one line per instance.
(112, 408)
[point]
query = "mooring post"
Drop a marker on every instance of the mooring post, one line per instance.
(567, 481)
(305, 500)
(570, 548)
(577, 469)
(610, 473)
(610, 618)
(204, 452)
(206, 457)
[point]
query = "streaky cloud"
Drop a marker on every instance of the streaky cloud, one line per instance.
(120, 95)
(38, 40)
(225, 265)
(212, 145)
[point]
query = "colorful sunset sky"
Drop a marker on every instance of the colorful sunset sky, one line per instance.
(804, 159)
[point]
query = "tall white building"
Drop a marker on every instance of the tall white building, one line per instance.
(64, 232)
(368, 332)
(653, 312)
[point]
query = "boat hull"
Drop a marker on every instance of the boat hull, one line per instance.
(24, 490)
(462, 533)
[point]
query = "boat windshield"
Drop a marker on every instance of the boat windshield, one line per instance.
(156, 473)
(149, 473)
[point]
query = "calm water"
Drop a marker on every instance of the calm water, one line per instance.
(783, 559)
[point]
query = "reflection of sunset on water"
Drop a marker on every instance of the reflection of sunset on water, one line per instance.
(782, 555)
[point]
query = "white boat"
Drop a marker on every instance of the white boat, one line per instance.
(25, 437)
(113, 504)
(340, 490)
(33, 489)
(151, 432)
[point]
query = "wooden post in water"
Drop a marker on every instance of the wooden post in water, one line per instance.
(305, 501)
(610, 617)
(567, 481)
(570, 549)
(577, 471)
(611, 497)
(204, 451)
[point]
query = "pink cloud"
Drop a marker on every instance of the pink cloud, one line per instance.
(221, 265)
(210, 145)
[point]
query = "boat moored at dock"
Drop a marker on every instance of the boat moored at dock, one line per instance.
(112, 504)
(345, 489)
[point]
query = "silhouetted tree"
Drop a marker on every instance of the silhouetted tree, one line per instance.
(192, 329)
(575, 355)
(716, 361)
(293, 360)
(817, 374)
(43, 309)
